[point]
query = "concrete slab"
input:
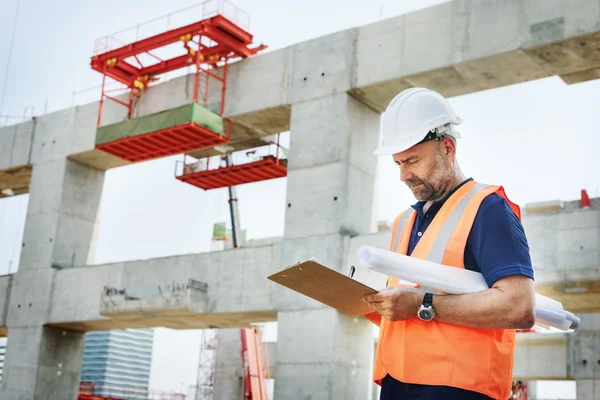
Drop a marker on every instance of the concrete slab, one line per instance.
(15, 181)
(98, 159)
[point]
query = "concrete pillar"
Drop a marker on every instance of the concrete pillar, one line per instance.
(42, 364)
(228, 365)
(588, 389)
(61, 215)
(585, 347)
(323, 354)
(331, 168)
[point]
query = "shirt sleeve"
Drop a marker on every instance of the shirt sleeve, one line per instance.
(497, 243)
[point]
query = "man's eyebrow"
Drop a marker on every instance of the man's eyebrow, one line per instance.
(408, 159)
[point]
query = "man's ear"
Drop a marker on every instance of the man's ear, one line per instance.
(448, 146)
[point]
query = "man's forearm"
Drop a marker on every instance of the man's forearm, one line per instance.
(489, 309)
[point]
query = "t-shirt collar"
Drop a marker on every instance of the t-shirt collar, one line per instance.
(418, 206)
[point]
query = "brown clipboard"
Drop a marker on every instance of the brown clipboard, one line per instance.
(326, 286)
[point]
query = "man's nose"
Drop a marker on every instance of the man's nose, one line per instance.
(406, 175)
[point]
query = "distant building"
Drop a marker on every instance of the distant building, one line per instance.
(118, 362)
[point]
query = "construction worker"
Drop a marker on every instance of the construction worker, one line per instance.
(436, 345)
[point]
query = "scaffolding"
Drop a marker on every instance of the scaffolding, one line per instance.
(206, 365)
(208, 37)
(260, 164)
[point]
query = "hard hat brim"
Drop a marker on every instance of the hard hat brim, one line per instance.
(390, 150)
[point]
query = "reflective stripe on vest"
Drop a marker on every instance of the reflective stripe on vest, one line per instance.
(436, 254)
(437, 353)
(400, 228)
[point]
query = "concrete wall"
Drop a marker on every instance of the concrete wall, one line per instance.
(569, 239)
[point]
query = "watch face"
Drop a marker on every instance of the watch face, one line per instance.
(425, 314)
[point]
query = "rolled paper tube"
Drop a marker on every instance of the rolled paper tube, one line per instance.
(452, 280)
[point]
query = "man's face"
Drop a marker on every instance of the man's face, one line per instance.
(427, 169)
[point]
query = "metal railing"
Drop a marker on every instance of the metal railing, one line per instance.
(176, 19)
(241, 157)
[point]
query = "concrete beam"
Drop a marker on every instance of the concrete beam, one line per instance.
(578, 290)
(238, 291)
(447, 47)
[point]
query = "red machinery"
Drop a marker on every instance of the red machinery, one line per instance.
(90, 391)
(213, 38)
(207, 176)
(255, 364)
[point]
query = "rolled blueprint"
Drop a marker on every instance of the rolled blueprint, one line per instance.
(432, 277)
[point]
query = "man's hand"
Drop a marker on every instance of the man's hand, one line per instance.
(395, 303)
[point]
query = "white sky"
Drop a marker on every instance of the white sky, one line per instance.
(537, 139)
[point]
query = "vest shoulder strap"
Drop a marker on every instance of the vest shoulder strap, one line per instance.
(455, 245)
(398, 227)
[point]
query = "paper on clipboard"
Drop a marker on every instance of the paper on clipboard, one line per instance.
(325, 285)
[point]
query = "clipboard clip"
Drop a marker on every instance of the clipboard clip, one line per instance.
(351, 273)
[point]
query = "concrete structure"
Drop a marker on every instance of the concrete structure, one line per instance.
(118, 361)
(456, 48)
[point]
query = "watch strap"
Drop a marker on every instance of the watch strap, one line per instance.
(428, 300)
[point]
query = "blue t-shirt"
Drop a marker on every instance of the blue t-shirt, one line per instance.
(497, 247)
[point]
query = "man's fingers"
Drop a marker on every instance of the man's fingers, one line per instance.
(373, 298)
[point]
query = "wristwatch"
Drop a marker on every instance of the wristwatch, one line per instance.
(426, 311)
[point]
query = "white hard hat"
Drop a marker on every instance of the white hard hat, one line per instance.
(415, 115)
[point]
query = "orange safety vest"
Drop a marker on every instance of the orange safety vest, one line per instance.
(437, 353)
